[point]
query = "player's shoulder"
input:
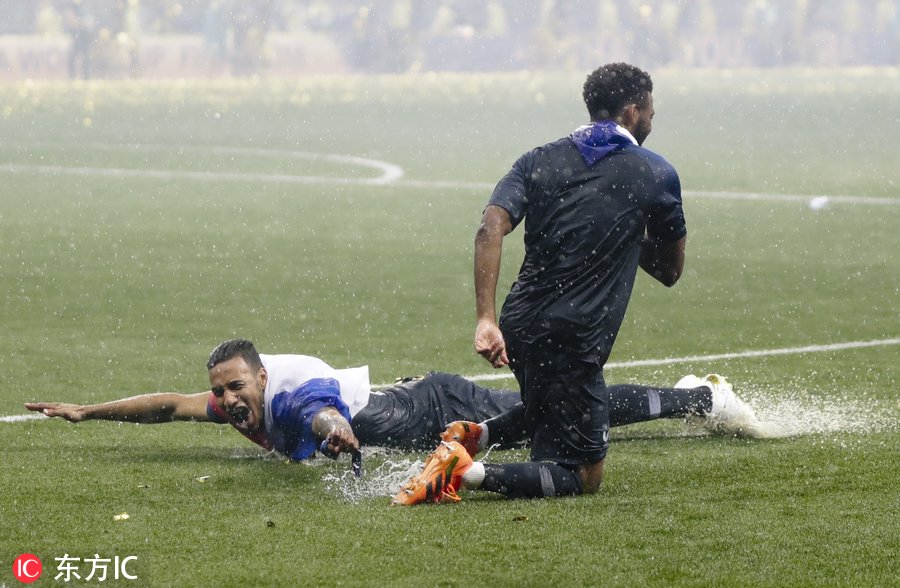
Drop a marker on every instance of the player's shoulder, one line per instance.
(549, 150)
(657, 164)
(560, 148)
(544, 160)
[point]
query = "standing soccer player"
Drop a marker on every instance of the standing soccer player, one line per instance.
(596, 206)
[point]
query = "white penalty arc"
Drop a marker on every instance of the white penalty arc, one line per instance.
(388, 173)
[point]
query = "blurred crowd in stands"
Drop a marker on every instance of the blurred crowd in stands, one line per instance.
(120, 38)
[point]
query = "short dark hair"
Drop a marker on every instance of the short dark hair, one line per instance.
(233, 348)
(612, 87)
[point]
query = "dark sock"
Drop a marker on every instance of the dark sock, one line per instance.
(509, 427)
(629, 403)
(675, 402)
(530, 480)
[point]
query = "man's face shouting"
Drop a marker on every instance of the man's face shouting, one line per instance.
(239, 391)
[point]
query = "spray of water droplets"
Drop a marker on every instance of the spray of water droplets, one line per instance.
(383, 479)
(791, 413)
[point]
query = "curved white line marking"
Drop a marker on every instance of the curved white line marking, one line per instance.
(389, 173)
(112, 172)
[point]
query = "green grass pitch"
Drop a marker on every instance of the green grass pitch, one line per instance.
(142, 224)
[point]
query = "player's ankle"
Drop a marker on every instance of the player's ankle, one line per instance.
(483, 438)
(473, 477)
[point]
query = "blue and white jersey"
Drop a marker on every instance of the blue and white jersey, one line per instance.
(298, 387)
(287, 372)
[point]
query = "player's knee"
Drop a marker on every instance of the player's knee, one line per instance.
(589, 488)
(591, 476)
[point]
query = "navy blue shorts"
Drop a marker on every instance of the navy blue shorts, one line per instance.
(565, 402)
(411, 415)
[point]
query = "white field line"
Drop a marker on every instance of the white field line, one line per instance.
(445, 185)
(636, 363)
(719, 356)
(724, 195)
(715, 195)
(390, 174)
(112, 172)
(19, 418)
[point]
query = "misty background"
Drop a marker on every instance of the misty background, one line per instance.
(84, 39)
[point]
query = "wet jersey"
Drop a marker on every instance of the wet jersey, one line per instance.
(587, 201)
(298, 387)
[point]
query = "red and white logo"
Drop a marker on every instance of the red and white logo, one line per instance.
(27, 568)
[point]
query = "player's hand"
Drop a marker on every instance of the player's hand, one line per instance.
(71, 412)
(342, 440)
(489, 343)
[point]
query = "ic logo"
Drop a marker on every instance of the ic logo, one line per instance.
(27, 568)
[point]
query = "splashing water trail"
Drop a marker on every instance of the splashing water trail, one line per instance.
(380, 481)
(791, 413)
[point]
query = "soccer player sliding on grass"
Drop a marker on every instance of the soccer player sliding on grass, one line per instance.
(292, 403)
(596, 205)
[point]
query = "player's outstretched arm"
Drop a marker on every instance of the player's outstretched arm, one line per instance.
(147, 408)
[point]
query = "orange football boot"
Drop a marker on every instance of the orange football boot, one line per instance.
(466, 433)
(440, 478)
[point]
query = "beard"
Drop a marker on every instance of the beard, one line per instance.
(641, 131)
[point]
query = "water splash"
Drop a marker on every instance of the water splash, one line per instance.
(382, 480)
(791, 413)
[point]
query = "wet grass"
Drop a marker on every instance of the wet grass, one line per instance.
(113, 286)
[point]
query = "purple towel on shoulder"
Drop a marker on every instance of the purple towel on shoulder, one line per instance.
(598, 139)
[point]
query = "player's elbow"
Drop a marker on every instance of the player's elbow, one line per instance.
(667, 275)
(488, 234)
(664, 261)
(495, 224)
(669, 278)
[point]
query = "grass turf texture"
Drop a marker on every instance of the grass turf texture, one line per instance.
(122, 285)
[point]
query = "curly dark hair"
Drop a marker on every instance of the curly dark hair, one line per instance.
(612, 87)
(232, 348)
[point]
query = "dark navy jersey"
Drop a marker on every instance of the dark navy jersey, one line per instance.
(584, 225)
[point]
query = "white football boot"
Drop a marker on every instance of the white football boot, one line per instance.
(729, 414)
(690, 381)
